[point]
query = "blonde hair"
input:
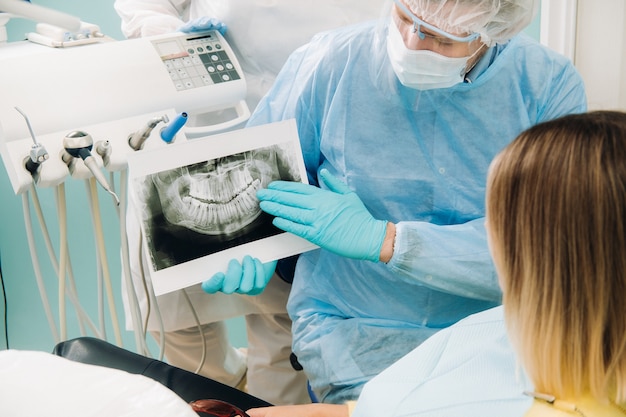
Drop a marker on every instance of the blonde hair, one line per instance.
(556, 210)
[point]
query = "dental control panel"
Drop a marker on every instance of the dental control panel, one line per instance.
(122, 94)
(196, 61)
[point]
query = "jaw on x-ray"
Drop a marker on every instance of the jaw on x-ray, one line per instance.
(203, 208)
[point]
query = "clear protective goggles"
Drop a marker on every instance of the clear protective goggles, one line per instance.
(419, 23)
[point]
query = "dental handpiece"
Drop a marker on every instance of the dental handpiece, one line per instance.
(38, 153)
(137, 139)
(79, 144)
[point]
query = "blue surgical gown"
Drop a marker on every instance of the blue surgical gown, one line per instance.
(418, 159)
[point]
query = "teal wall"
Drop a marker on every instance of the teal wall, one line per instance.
(27, 324)
(534, 29)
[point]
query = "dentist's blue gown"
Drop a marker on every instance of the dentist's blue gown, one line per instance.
(418, 159)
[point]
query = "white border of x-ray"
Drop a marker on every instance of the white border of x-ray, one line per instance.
(197, 150)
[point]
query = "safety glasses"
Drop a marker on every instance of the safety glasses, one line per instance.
(217, 408)
(418, 24)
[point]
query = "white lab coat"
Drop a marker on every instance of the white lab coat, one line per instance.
(262, 33)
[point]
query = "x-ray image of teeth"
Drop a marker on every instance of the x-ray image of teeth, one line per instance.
(199, 209)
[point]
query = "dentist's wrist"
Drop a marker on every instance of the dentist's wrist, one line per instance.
(386, 251)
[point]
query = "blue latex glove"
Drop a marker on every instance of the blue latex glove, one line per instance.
(203, 24)
(335, 219)
(248, 277)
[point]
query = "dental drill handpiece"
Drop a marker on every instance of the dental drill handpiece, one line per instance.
(137, 139)
(78, 144)
(38, 153)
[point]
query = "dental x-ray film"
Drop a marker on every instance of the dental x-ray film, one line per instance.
(196, 201)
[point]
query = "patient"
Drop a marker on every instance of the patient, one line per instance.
(556, 217)
(556, 210)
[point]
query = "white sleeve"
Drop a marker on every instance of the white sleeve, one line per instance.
(142, 18)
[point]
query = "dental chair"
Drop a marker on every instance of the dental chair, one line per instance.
(187, 385)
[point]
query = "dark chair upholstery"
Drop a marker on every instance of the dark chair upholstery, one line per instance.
(187, 385)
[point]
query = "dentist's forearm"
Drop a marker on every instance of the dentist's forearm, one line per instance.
(386, 252)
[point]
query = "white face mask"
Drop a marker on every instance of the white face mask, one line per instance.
(423, 69)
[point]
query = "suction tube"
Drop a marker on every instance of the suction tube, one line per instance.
(169, 132)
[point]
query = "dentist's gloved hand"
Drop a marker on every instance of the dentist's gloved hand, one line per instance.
(202, 24)
(248, 277)
(334, 219)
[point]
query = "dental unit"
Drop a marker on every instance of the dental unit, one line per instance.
(98, 101)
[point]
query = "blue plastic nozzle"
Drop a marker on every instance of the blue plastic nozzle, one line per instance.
(169, 132)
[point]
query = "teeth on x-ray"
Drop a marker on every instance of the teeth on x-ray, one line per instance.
(221, 192)
(234, 212)
(220, 201)
(217, 197)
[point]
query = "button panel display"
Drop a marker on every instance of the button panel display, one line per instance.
(196, 61)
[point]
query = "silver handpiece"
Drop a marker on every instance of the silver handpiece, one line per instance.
(78, 144)
(137, 139)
